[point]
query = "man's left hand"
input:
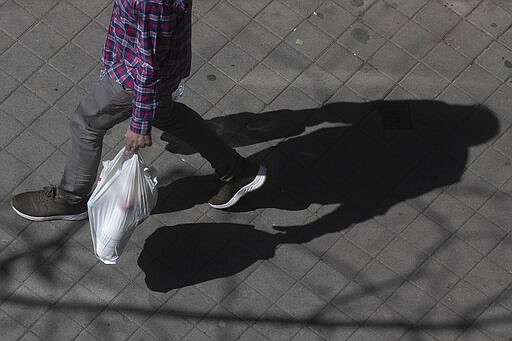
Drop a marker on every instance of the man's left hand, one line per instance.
(134, 141)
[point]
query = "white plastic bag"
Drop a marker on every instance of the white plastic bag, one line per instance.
(124, 196)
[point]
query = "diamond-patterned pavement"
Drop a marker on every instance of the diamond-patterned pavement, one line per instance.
(386, 129)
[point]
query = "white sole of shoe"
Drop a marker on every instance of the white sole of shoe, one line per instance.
(258, 181)
(72, 217)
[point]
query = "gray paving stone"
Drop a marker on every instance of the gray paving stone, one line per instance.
(490, 17)
(370, 236)
(104, 281)
(293, 99)
(202, 7)
(217, 18)
(270, 280)
(331, 284)
(437, 18)
(90, 7)
(492, 324)
(364, 334)
(278, 18)
(354, 6)
(379, 280)
(461, 7)
(387, 28)
(240, 100)
(264, 83)
(357, 302)
(300, 302)
(217, 328)
(411, 302)
(30, 337)
(136, 303)
(423, 82)
(497, 59)
(9, 129)
(339, 62)
(369, 83)
(286, 61)
(501, 254)
(73, 62)
(434, 278)
(296, 260)
(43, 40)
(447, 61)
(14, 171)
(417, 334)
(250, 7)
(256, 40)
(246, 302)
(333, 324)
(19, 62)
(415, 39)
(91, 39)
(466, 301)
(37, 8)
(449, 212)
(474, 334)
(5, 42)
(425, 234)
(11, 330)
(30, 148)
(48, 84)
(233, 61)
(481, 233)
(15, 19)
(210, 83)
(309, 40)
(458, 256)
(387, 323)
(361, 40)
(251, 334)
(332, 18)
(190, 300)
(24, 105)
(440, 315)
(66, 19)
(141, 335)
(401, 256)
(111, 324)
(81, 305)
(55, 325)
(317, 83)
(472, 190)
(272, 328)
(489, 278)
(26, 314)
(493, 167)
(468, 39)
(409, 7)
(392, 61)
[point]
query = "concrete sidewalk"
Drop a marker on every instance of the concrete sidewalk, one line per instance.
(385, 126)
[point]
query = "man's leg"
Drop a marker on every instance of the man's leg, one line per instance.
(240, 176)
(107, 105)
(99, 111)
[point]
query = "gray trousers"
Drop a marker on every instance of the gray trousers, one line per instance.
(109, 104)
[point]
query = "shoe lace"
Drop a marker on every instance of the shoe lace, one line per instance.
(50, 191)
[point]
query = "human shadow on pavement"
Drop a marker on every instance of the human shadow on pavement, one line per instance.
(344, 163)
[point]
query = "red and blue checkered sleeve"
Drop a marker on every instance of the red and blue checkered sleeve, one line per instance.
(152, 20)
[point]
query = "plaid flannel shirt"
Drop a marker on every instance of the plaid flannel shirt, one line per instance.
(148, 50)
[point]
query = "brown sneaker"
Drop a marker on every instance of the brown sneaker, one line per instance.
(232, 191)
(47, 205)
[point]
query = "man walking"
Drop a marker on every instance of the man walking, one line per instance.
(146, 55)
